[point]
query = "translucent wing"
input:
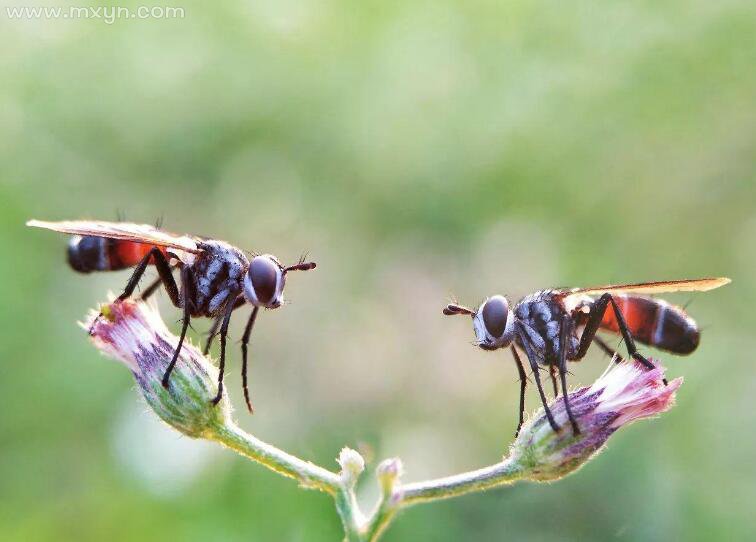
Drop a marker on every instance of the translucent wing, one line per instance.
(663, 286)
(137, 233)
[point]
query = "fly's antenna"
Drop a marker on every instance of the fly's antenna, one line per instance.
(453, 309)
(301, 265)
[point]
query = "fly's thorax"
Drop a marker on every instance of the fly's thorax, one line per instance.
(264, 282)
(217, 274)
(541, 314)
(493, 323)
(540, 311)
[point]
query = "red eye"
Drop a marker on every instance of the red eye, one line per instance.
(495, 312)
(263, 274)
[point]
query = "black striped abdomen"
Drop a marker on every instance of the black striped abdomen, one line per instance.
(656, 323)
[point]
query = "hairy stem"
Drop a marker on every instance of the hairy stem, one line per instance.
(306, 473)
(357, 528)
(500, 474)
(351, 517)
(401, 496)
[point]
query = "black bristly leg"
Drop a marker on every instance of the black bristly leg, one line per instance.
(523, 385)
(629, 341)
(164, 270)
(553, 374)
(525, 340)
(563, 338)
(165, 275)
(223, 335)
(186, 275)
(244, 345)
(608, 350)
(211, 334)
(594, 320)
(147, 292)
(595, 316)
(166, 278)
(217, 322)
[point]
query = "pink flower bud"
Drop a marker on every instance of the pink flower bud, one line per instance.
(133, 333)
(626, 392)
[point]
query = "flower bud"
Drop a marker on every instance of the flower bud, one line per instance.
(626, 392)
(352, 465)
(133, 333)
(389, 472)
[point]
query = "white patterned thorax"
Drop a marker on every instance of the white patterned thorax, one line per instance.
(540, 314)
(217, 273)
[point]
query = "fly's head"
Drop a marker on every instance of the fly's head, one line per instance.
(493, 322)
(265, 279)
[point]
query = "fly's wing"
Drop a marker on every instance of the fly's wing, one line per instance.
(664, 286)
(126, 231)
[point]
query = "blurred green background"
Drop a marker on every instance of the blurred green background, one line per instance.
(416, 150)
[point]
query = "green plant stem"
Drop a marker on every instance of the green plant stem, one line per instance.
(504, 473)
(385, 512)
(500, 474)
(356, 527)
(306, 473)
(351, 517)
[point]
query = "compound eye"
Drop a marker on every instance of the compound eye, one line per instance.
(264, 273)
(495, 312)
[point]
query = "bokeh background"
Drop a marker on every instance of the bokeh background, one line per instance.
(418, 151)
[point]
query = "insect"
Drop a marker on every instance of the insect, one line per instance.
(555, 326)
(215, 277)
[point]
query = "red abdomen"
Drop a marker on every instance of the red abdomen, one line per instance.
(656, 323)
(90, 253)
(123, 254)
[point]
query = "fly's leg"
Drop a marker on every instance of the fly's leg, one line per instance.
(523, 385)
(216, 323)
(211, 334)
(608, 350)
(223, 336)
(166, 277)
(151, 289)
(162, 266)
(186, 275)
(553, 375)
(563, 328)
(244, 345)
(594, 320)
(525, 339)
